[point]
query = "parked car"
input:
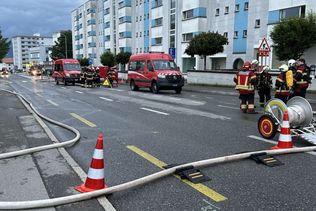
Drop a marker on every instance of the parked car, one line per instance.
(4, 73)
(157, 71)
(66, 71)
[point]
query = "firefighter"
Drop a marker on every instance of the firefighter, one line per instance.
(245, 80)
(282, 90)
(97, 77)
(89, 78)
(83, 76)
(301, 79)
(264, 85)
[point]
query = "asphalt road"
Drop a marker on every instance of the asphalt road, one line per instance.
(200, 123)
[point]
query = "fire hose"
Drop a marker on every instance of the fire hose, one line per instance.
(46, 147)
(131, 184)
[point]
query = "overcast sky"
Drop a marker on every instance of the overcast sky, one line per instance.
(26, 17)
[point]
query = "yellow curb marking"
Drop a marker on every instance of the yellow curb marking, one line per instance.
(87, 122)
(199, 187)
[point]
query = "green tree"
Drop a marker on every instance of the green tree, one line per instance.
(63, 46)
(291, 37)
(4, 46)
(123, 58)
(206, 44)
(107, 59)
(84, 62)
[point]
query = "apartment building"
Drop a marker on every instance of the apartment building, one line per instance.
(140, 26)
(22, 45)
(40, 55)
(84, 30)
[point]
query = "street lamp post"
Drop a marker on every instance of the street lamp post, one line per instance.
(65, 44)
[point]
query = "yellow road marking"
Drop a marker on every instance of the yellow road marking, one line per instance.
(87, 122)
(199, 187)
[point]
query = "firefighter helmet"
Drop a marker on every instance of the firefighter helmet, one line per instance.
(266, 69)
(291, 63)
(283, 68)
(246, 65)
(254, 62)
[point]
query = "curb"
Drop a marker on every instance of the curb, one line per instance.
(72, 163)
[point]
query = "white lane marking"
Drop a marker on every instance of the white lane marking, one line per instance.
(24, 81)
(223, 106)
(118, 90)
(39, 95)
(53, 103)
(158, 112)
(274, 142)
(79, 92)
(262, 139)
(107, 99)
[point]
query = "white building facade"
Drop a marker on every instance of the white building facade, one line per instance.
(140, 26)
(21, 46)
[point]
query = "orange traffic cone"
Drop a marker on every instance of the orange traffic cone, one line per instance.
(285, 139)
(95, 179)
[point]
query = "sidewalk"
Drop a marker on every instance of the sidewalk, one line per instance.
(39, 175)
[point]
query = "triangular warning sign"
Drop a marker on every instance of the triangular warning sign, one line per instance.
(264, 46)
(106, 82)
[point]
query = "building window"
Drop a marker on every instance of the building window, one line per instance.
(235, 34)
(199, 12)
(172, 21)
(257, 23)
(217, 12)
(244, 34)
(136, 18)
(246, 5)
(107, 11)
(225, 34)
(156, 22)
(226, 10)
(156, 41)
(172, 41)
(172, 4)
(140, 18)
(237, 8)
(156, 3)
(136, 34)
(292, 12)
(187, 14)
(140, 34)
(187, 37)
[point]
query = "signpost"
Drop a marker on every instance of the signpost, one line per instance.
(264, 50)
(172, 52)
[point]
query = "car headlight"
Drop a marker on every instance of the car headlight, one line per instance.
(67, 75)
(161, 76)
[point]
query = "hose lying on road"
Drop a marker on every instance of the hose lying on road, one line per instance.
(46, 147)
(131, 184)
(141, 181)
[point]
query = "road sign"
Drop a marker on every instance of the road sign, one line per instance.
(172, 52)
(264, 46)
(90, 61)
